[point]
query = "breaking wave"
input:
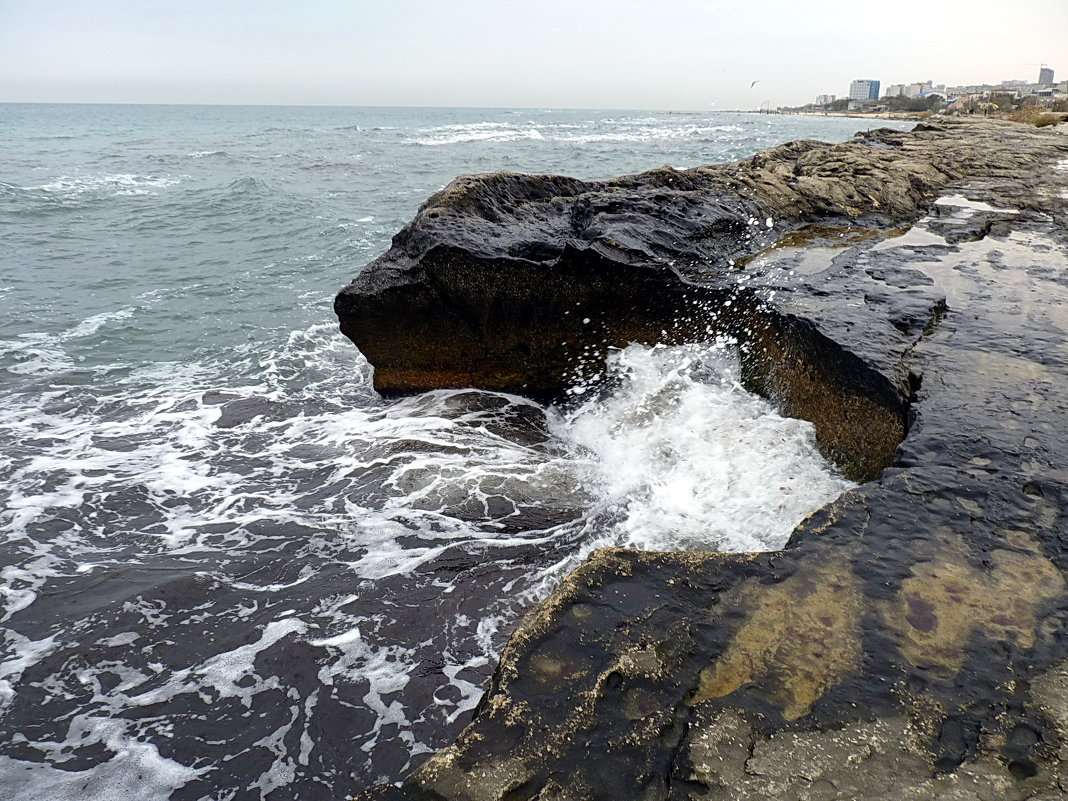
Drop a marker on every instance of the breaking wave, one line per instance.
(119, 184)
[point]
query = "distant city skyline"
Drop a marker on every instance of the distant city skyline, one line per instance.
(1046, 76)
(676, 54)
(868, 90)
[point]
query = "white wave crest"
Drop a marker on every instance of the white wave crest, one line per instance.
(34, 354)
(121, 184)
(475, 132)
(90, 325)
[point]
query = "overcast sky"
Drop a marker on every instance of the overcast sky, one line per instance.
(638, 54)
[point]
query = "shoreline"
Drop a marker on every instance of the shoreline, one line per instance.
(922, 116)
(906, 116)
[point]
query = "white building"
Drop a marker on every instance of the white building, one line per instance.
(864, 89)
(917, 89)
(824, 100)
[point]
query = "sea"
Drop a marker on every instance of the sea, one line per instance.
(229, 569)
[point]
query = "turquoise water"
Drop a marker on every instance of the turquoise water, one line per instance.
(228, 569)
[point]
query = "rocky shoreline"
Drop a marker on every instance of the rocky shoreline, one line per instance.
(905, 292)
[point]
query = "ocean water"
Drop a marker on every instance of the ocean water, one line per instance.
(228, 569)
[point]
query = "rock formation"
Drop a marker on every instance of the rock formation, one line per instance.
(908, 294)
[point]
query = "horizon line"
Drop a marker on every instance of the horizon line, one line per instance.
(357, 105)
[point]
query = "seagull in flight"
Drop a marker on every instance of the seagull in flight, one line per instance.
(754, 83)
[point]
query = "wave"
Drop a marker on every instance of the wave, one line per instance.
(41, 353)
(479, 136)
(651, 134)
(627, 130)
(237, 202)
(34, 354)
(474, 132)
(454, 454)
(11, 189)
(117, 184)
(248, 187)
(91, 325)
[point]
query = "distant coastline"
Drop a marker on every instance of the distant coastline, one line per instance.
(1021, 117)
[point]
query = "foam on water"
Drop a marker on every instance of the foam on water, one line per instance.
(118, 184)
(137, 771)
(396, 536)
(477, 132)
(610, 130)
(34, 353)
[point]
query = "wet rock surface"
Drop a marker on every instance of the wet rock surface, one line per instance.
(909, 299)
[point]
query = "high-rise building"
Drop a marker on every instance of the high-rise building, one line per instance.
(864, 89)
(1045, 76)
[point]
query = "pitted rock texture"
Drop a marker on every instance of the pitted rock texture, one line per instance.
(910, 641)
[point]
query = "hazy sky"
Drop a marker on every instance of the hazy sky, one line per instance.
(665, 54)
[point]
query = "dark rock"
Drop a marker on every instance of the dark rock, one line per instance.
(910, 641)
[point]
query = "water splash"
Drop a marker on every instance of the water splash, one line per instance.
(685, 458)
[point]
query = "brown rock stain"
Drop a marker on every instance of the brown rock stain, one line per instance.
(801, 638)
(947, 599)
(856, 431)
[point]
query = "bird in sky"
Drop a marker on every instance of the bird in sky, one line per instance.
(754, 83)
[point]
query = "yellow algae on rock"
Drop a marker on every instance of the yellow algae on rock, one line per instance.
(802, 637)
(945, 600)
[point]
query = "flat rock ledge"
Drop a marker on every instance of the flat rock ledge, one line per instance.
(908, 294)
